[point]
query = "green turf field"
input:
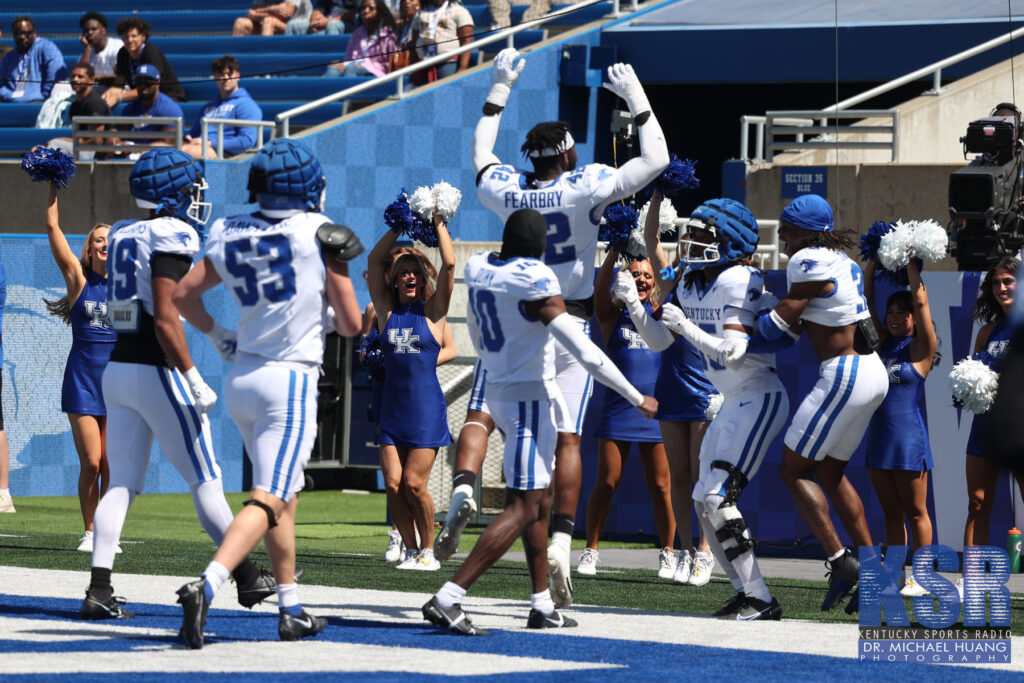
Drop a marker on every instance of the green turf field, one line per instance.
(341, 540)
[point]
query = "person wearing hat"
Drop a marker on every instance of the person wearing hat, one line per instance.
(825, 299)
(151, 102)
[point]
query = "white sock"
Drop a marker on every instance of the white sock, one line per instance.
(107, 525)
(452, 594)
(561, 541)
(543, 603)
(833, 558)
(216, 574)
(466, 489)
(287, 596)
(211, 507)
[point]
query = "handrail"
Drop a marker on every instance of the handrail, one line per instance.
(758, 122)
(284, 118)
(772, 129)
(78, 132)
(204, 125)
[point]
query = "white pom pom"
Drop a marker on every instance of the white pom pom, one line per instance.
(930, 240)
(893, 248)
(447, 198)
(667, 216)
(637, 245)
(422, 203)
(974, 384)
(714, 405)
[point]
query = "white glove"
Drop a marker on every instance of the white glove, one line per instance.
(506, 71)
(731, 352)
(225, 341)
(625, 84)
(728, 352)
(624, 289)
(202, 394)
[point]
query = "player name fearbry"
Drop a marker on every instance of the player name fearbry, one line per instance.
(533, 200)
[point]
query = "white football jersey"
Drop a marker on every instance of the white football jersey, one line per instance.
(274, 269)
(572, 204)
(845, 305)
(517, 352)
(131, 247)
(736, 296)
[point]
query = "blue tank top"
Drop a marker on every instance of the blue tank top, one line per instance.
(626, 348)
(89, 323)
(414, 413)
(992, 356)
(682, 389)
(897, 434)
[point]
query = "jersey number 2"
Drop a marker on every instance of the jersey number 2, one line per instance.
(559, 248)
(277, 252)
(486, 311)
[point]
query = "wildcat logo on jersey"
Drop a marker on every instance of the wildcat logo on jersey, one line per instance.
(542, 284)
(807, 265)
(182, 237)
(632, 338)
(97, 312)
(403, 340)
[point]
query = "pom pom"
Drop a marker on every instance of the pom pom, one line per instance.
(894, 246)
(442, 198)
(869, 240)
(930, 240)
(400, 217)
(372, 356)
(422, 203)
(714, 405)
(679, 175)
(973, 385)
(620, 221)
(667, 216)
(45, 164)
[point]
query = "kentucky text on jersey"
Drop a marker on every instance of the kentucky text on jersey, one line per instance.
(535, 199)
(700, 313)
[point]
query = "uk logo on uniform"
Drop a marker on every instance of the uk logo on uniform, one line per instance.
(403, 340)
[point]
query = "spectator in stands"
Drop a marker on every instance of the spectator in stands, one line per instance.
(372, 43)
(405, 54)
(88, 102)
(4, 47)
(99, 49)
(270, 18)
(134, 31)
(501, 11)
(442, 27)
(28, 73)
(233, 103)
(152, 102)
(332, 17)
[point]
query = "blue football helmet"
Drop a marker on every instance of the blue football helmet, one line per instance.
(733, 230)
(168, 180)
(285, 174)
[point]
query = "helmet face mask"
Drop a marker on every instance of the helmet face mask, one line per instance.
(199, 211)
(698, 252)
(170, 181)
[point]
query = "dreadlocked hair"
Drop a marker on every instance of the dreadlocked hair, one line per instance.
(547, 135)
(690, 277)
(987, 308)
(837, 240)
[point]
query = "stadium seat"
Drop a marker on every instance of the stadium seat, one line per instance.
(233, 45)
(302, 88)
(193, 21)
(19, 114)
(197, 66)
(23, 139)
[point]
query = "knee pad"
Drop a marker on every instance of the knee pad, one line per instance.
(735, 484)
(728, 523)
(266, 508)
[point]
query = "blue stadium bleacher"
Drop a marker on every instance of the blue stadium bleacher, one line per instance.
(197, 66)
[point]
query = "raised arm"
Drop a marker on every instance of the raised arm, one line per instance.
(437, 308)
(70, 266)
(869, 298)
(926, 341)
(657, 336)
(376, 266)
(506, 71)
(652, 235)
(607, 312)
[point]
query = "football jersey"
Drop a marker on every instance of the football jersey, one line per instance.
(275, 272)
(517, 351)
(845, 304)
(572, 204)
(738, 291)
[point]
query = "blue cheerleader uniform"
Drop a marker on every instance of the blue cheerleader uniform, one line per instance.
(93, 340)
(413, 413)
(682, 389)
(620, 421)
(992, 356)
(897, 434)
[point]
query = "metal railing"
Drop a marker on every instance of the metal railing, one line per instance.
(507, 34)
(934, 70)
(828, 136)
(78, 131)
(205, 124)
(758, 122)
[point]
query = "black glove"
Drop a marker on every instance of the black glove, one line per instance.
(339, 241)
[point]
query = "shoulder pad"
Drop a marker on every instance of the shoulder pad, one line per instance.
(339, 241)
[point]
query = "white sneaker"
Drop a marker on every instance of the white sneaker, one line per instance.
(684, 567)
(6, 503)
(588, 562)
(912, 589)
(426, 562)
(703, 563)
(409, 559)
(667, 562)
(460, 511)
(85, 544)
(394, 551)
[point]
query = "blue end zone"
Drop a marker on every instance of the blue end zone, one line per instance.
(634, 660)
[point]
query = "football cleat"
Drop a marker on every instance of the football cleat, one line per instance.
(394, 551)
(588, 562)
(842, 577)
(853, 606)
(192, 598)
(561, 582)
(451, 618)
(732, 607)
(94, 609)
(703, 563)
(305, 625)
(538, 619)
(461, 510)
(758, 610)
(260, 589)
(684, 567)
(667, 563)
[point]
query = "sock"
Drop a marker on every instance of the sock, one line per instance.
(451, 594)
(216, 574)
(108, 522)
(543, 603)
(467, 477)
(833, 558)
(99, 583)
(563, 524)
(246, 573)
(561, 541)
(288, 598)
(212, 509)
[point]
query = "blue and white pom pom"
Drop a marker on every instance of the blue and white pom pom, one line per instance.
(400, 217)
(714, 405)
(894, 246)
(45, 164)
(679, 175)
(930, 241)
(620, 220)
(973, 385)
(869, 240)
(442, 198)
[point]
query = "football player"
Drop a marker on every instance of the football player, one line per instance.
(283, 264)
(571, 200)
(151, 387)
